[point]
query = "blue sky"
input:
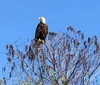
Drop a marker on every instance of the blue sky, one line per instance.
(19, 18)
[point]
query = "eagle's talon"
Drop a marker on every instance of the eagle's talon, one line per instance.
(39, 40)
(42, 41)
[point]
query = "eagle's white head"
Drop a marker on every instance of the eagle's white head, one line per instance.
(42, 19)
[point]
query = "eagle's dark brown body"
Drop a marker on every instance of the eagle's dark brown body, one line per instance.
(41, 32)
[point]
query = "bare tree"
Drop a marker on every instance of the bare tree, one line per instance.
(67, 58)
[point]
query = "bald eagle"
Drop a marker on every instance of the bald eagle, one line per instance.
(41, 30)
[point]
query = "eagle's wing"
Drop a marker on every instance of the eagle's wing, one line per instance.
(38, 28)
(45, 30)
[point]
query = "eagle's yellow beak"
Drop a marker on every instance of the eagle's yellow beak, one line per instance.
(40, 18)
